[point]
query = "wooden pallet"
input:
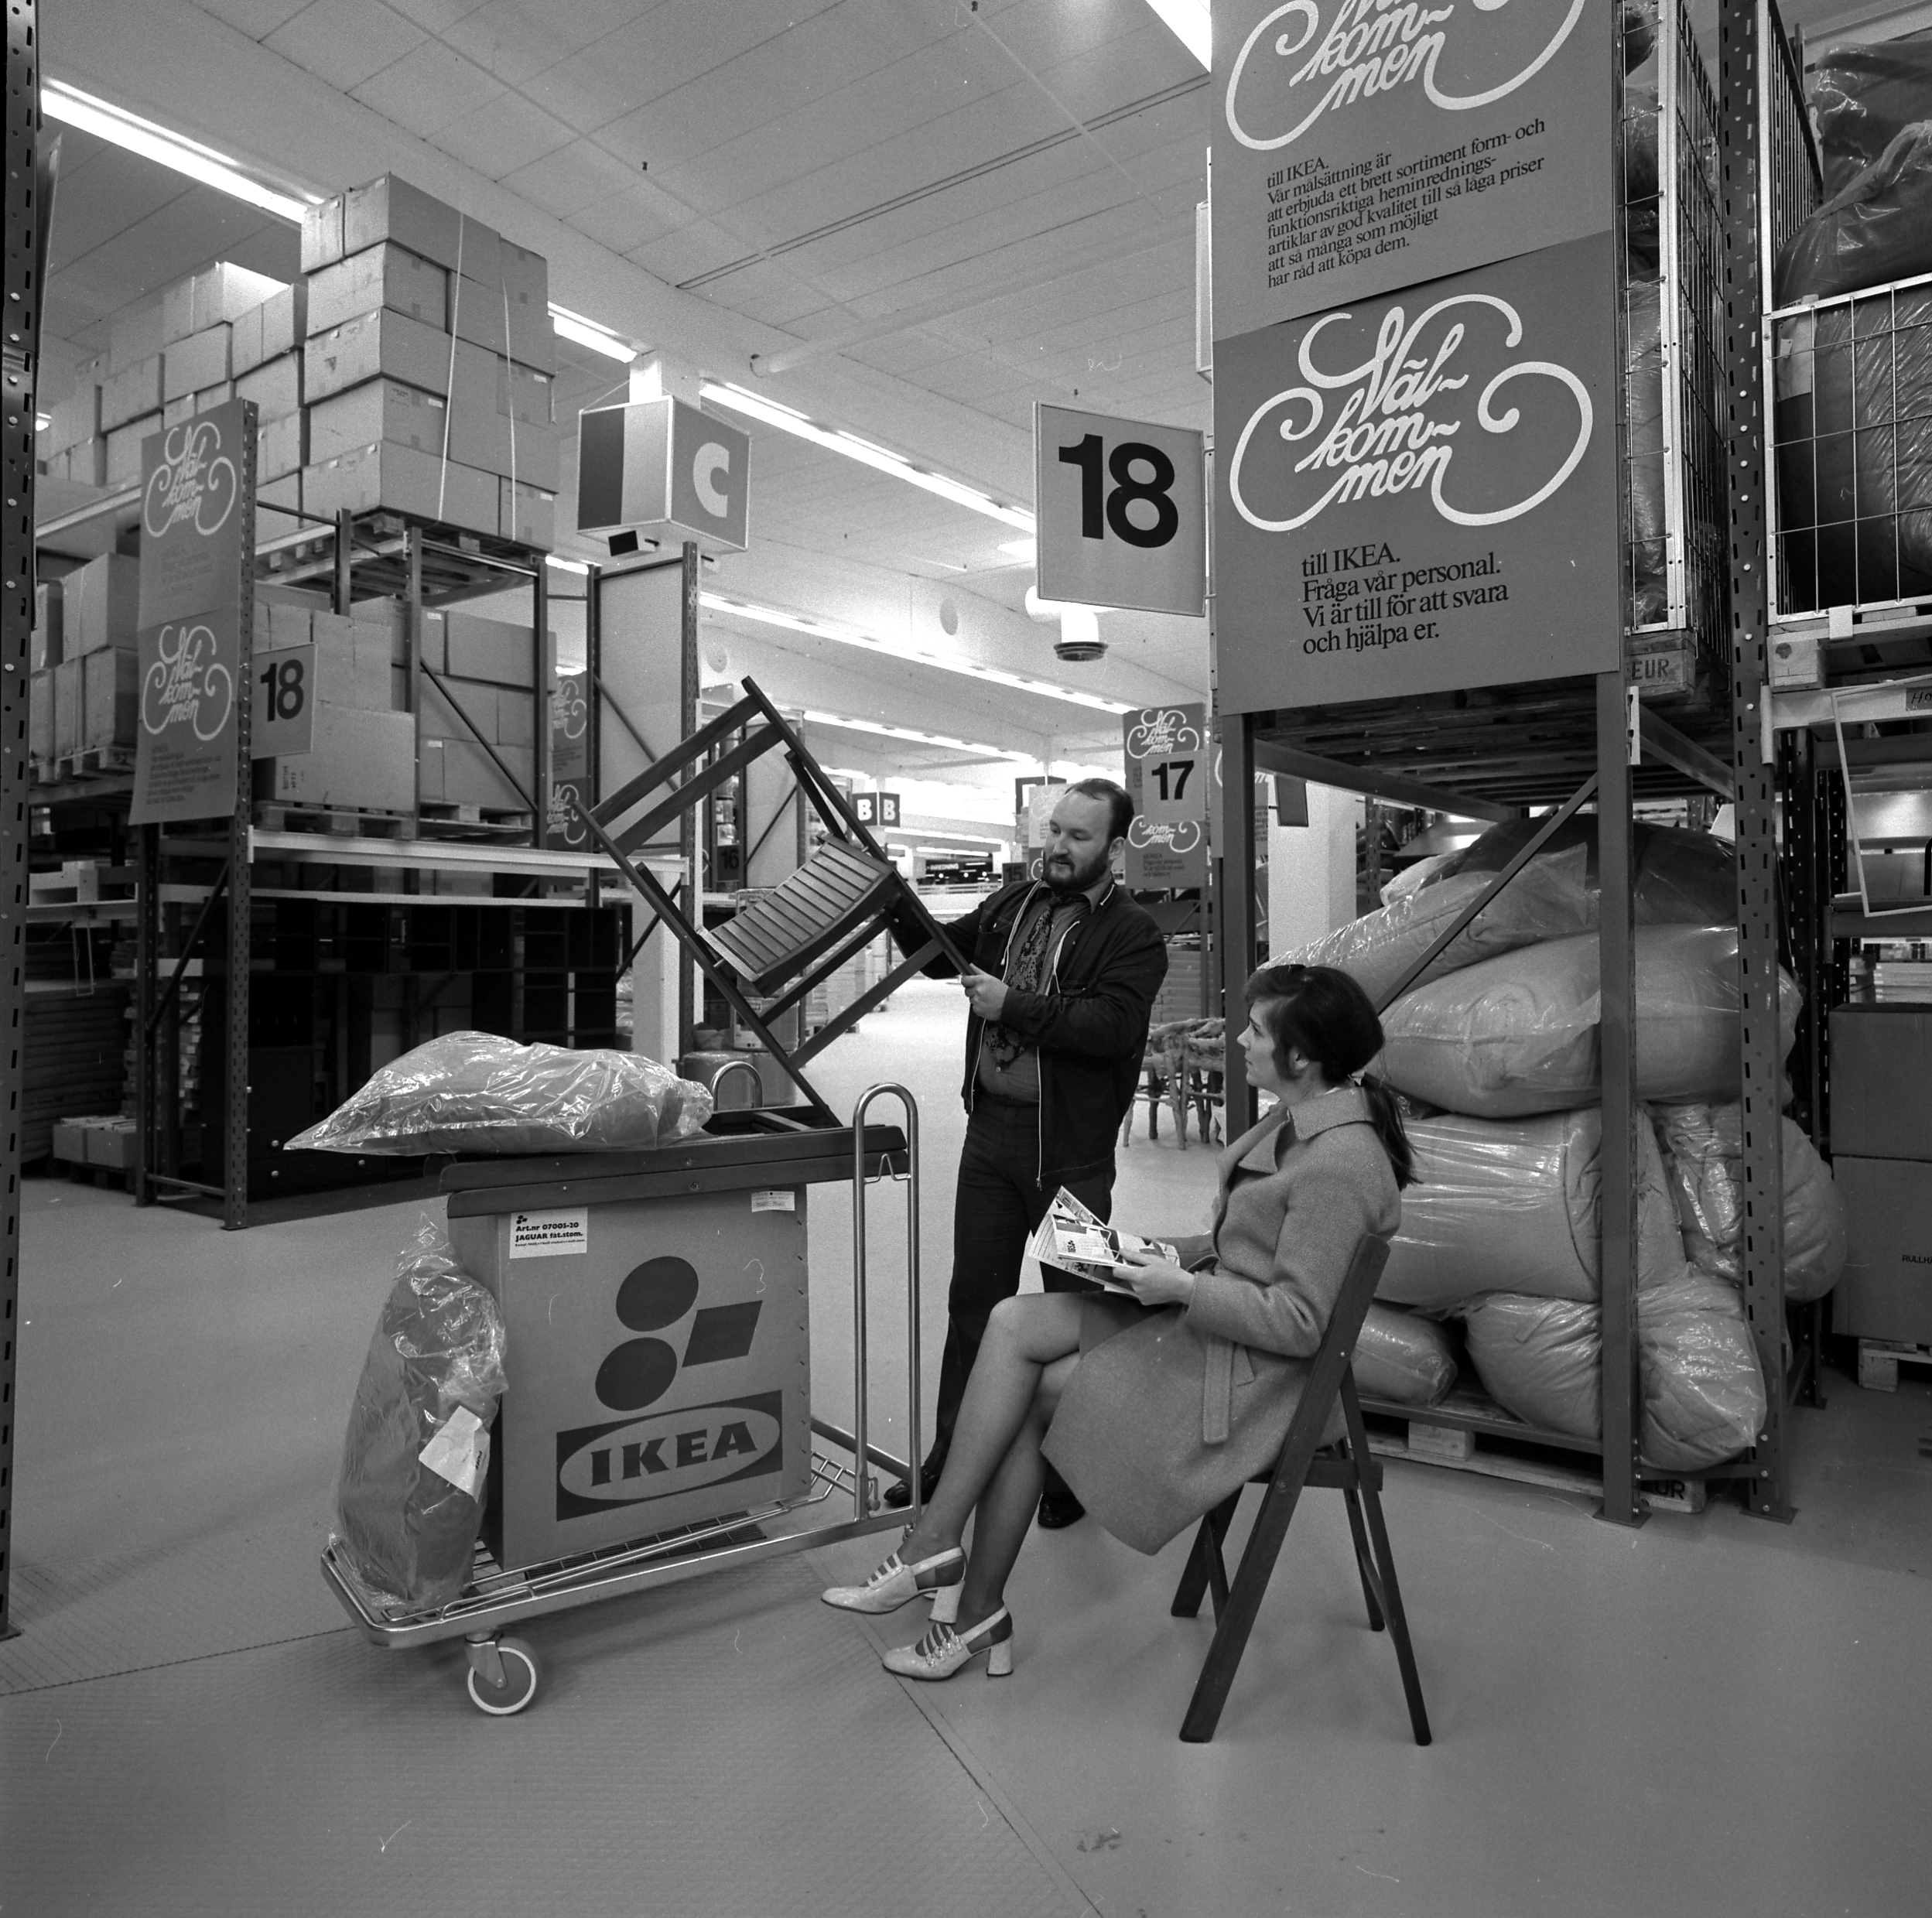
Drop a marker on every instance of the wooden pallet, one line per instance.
(1880, 1360)
(336, 822)
(91, 762)
(448, 819)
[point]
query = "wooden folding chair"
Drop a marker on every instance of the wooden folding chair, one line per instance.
(1345, 1465)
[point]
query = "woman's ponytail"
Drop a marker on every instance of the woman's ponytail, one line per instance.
(1385, 1114)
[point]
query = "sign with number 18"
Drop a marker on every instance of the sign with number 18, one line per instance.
(1121, 506)
(284, 702)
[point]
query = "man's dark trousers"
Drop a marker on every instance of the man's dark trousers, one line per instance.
(1002, 1197)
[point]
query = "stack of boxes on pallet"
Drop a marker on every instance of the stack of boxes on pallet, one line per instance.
(1882, 1159)
(428, 367)
(489, 672)
(83, 694)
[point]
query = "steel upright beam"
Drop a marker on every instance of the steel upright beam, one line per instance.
(1744, 43)
(1232, 868)
(1623, 1503)
(27, 213)
(544, 669)
(235, 1164)
(413, 616)
(690, 1006)
(147, 966)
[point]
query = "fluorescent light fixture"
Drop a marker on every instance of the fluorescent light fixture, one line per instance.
(589, 332)
(566, 566)
(1188, 21)
(59, 101)
(879, 727)
(881, 459)
(853, 636)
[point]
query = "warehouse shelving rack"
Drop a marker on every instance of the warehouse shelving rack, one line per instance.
(1491, 752)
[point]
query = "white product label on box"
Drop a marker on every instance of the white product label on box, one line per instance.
(774, 1202)
(459, 1452)
(550, 1234)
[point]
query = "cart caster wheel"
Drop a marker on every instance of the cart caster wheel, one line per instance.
(519, 1686)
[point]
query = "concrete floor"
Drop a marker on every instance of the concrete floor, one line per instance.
(1710, 1715)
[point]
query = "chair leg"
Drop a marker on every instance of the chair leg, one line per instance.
(1363, 1564)
(1204, 1568)
(1385, 1567)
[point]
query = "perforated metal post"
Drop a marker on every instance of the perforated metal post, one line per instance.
(1232, 867)
(1743, 45)
(690, 1007)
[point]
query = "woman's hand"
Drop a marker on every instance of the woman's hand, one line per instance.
(1155, 1280)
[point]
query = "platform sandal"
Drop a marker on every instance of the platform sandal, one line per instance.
(895, 1583)
(944, 1650)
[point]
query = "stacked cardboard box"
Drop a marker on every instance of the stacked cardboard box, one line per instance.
(428, 366)
(84, 688)
(222, 332)
(486, 666)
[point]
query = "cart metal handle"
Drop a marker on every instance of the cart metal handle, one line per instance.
(860, 1452)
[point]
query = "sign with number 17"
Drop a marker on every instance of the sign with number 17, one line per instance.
(1121, 507)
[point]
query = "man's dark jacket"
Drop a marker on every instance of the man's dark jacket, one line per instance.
(1089, 1024)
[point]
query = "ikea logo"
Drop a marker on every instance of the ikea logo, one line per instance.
(633, 1461)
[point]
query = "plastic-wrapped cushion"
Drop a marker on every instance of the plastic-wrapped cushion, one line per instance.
(1518, 1033)
(1541, 1358)
(1703, 1387)
(473, 1092)
(407, 1530)
(1640, 32)
(1703, 1155)
(1643, 400)
(1419, 873)
(1401, 1357)
(1515, 1206)
(1878, 228)
(1682, 878)
(1863, 98)
(1640, 184)
(1545, 901)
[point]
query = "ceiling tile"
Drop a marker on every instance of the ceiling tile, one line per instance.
(258, 19)
(434, 16)
(572, 177)
(429, 88)
(344, 41)
(624, 222)
(507, 134)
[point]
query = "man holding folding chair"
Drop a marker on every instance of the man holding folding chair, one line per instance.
(1061, 986)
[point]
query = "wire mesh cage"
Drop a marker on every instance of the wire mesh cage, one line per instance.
(1676, 557)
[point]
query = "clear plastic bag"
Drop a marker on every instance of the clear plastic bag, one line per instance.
(1683, 878)
(1703, 1387)
(1401, 1356)
(1644, 398)
(431, 1382)
(1876, 229)
(1863, 98)
(1545, 901)
(1516, 1206)
(1540, 1357)
(1703, 1155)
(1518, 1033)
(473, 1092)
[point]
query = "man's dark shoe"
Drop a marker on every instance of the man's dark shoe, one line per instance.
(1059, 1508)
(898, 1494)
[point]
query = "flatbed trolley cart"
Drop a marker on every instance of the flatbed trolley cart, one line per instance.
(623, 1462)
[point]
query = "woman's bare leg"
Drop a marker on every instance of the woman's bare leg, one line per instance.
(1024, 1336)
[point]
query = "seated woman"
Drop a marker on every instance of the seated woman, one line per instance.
(1162, 1404)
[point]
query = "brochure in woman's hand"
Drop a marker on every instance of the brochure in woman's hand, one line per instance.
(1071, 1239)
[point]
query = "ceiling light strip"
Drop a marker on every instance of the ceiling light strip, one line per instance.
(851, 636)
(115, 125)
(591, 333)
(884, 731)
(881, 459)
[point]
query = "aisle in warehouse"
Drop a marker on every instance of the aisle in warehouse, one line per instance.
(188, 1725)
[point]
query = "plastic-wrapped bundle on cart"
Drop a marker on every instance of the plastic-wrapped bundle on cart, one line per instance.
(1643, 401)
(1863, 98)
(409, 1499)
(1640, 185)
(1703, 1387)
(473, 1092)
(1877, 229)
(1404, 1357)
(1703, 1155)
(1541, 1358)
(1515, 1206)
(1518, 1033)
(1545, 901)
(1682, 878)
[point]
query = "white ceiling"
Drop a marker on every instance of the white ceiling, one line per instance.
(943, 212)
